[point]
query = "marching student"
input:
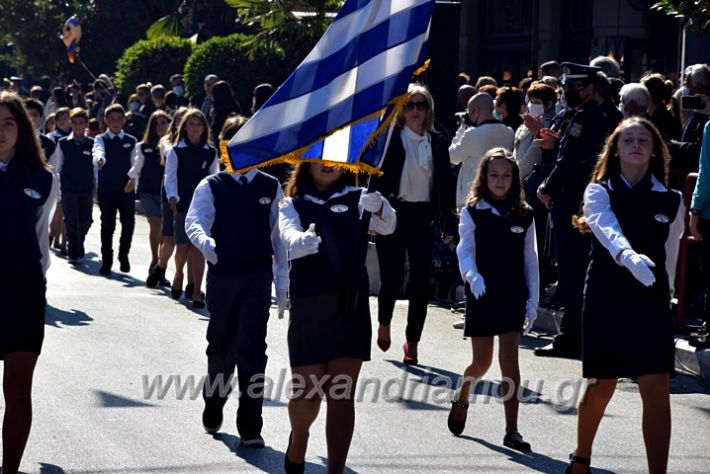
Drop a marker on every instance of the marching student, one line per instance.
(113, 156)
(28, 193)
(498, 262)
(187, 163)
(73, 162)
(636, 222)
(34, 109)
(242, 265)
(330, 332)
(148, 171)
(57, 231)
(157, 273)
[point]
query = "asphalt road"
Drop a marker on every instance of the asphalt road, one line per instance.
(107, 339)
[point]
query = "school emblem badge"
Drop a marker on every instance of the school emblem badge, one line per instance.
(575, 130)
(516, 229)
(127, 145)
(662, 218)
(32, 193)
(204, 164)
(148, 150)
(87, 152)
(339, 208)
(265, 201)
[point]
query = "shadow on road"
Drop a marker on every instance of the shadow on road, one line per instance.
(110, 400)
(56, 317)
(45, 468)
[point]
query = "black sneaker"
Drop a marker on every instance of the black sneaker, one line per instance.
(125, 264)
(212, 419)
(254, 442)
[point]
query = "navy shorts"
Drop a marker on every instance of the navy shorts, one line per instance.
(151, 205)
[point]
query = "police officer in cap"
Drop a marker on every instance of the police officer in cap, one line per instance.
(562, 192)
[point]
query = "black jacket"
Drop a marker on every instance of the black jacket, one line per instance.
(443, 189)
(685, 152)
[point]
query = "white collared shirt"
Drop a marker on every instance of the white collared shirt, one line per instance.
(466, 250)
(416, 180)
(201, 216)
(99, 151)
(57, 158)
(171, 168)
(606, 228)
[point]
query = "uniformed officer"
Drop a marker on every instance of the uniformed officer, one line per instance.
(562, 193)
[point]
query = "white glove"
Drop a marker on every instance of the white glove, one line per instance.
(476, 283)
(210, 251)
(371, 202)
(309, 240)
(530, 317)
(281, 302)
(640, 266)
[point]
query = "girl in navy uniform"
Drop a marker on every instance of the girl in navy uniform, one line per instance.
(28, 193)
(147, 172)
(167, 231)
(73, 162)
(242, 265)
(636, 222)
(191, 160)
(329, 333)
(498, 262)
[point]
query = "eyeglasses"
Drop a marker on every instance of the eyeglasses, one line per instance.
(423, 106)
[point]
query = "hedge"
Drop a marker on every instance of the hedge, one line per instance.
(228, 58)
(151, 61)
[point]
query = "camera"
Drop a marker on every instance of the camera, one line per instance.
(692, 102)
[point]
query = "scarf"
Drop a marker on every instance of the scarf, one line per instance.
(422, 146)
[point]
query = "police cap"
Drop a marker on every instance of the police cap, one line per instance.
(579, 72)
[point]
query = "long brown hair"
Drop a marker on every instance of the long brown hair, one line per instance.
(151, 131)
(301, 177)
(196, 114)
(609, 164)
(479, 189)
(27, 148)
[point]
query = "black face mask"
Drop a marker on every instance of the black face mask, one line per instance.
(572, 98)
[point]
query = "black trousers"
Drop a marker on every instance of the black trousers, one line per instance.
(77, 220)
(413, 235)
(236, 335)
(124, 204)
(573, 249)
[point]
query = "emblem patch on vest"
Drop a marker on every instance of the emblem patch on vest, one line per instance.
(662, 219)
(127, 145)
(516, 229)
(265, 201)
(204, 164)
(32, 193)
(148, 150)
(339, 208)
(87, 152)
(575, 130)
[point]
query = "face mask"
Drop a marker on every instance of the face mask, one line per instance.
(685, 91)
(536, 109)
(623, 110)
(179, 90)
(134, 106)
(497, 116)
(572, 98)
(527, 100)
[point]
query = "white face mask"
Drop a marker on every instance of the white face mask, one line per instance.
(536, 109)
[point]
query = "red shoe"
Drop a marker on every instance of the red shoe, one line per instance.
(410, 353)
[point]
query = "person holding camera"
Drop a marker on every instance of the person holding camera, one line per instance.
(685, 152)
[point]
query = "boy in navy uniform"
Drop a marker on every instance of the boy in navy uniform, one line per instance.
(233, 221)
(73, 162)
(35, 109)
(114, 152)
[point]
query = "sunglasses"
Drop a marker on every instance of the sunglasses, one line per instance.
(423, 105)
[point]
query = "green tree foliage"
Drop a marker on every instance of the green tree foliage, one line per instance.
(151, 61)
(228, 57)
(204, 18)
(697, 11)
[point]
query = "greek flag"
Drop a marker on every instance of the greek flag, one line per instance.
(338, 101)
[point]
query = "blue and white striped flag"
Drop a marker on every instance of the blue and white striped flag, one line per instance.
(336, 104)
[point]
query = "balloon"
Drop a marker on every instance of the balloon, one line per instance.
(71, 35)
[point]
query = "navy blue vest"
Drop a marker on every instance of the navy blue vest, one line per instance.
(22, 195)
(242, 225)
(500, 250)
(334, 267)
(152, 172)
(78, 168)
(193, 166)
(48, 146)
(114, 175)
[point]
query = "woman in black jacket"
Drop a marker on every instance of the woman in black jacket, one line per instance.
(419, 184)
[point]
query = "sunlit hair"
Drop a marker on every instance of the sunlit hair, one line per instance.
(429, 118)
(609, 164)
(169, 139)
(151, 131)
(479, 188)
(193, 113)
(27, 147)
(301, 178)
